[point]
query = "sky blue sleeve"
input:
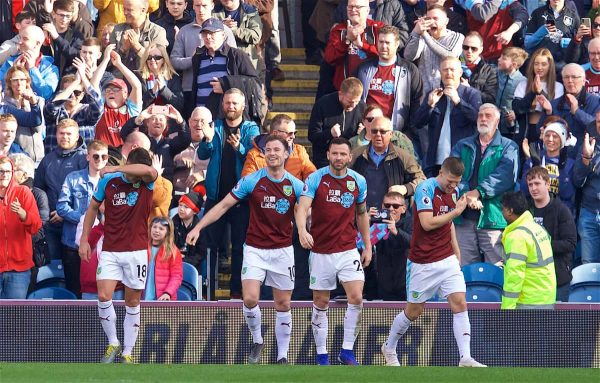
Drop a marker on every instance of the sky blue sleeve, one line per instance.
(245, 186)
(362, 188)
(424, 196)
(298, 186)
(311, 184)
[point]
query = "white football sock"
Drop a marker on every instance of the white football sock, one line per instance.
(108, 318)
(351, 325)
(399, 328)
(462, 333)
(253, 319)
(320, 325)
(131, 327)
(283, 330)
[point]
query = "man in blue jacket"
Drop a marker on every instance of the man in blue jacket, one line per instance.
(491, 169)
(226, 145)
(450, 112)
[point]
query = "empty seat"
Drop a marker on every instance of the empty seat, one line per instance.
(51, 293)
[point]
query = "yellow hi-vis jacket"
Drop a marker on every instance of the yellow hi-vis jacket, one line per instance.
(529, 277)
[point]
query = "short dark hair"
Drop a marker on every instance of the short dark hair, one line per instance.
(515, 201)
(277, 138)
(64, 5)
(139, 156)
(454, 166)
(340, 141)
(390, 30)
(24, 15)
(538, 171)
(280, 119)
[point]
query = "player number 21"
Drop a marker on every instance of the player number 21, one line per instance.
(141, 271)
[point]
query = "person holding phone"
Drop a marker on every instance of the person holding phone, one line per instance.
(552, 26)
(161, 84)
(577, 51)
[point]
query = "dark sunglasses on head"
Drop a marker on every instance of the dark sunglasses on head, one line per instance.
(97, 156)
(394, 205)
(155, 58)
(161, 221)
(369, 119)
(468, 48)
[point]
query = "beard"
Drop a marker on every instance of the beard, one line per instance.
(233, 115)
(483, 129)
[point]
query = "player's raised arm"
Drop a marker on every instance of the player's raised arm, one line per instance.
(210, 217)
(301, 214)
(363, 224)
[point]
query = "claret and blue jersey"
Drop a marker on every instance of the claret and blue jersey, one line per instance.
(334, 202)
(271, 208)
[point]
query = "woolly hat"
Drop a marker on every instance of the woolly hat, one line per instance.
(192, 200)
(560, 129)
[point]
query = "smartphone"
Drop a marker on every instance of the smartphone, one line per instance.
(160, 109)
(586, 21)
(550, 22)
(380, 216)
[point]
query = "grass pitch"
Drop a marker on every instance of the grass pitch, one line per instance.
(54, 372)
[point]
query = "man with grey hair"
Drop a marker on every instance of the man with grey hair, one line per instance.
(136, 33)
(576, 106)
(491, 169)
(592, 68)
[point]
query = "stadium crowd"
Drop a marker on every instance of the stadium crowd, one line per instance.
(510, 87)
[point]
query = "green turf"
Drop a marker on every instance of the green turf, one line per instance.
(48, 372)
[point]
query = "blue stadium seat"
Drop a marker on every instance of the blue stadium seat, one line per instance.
(118, 295)
(588, 273)
(51, 275)
(585, 294)
(184, 294)
(483, 274)
(484, 294)
(191, 280)
(51, 293)
(173, 212)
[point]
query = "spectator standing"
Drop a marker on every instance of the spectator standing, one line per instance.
(509, 77)
(44, 74)
(491, 169)
(391, 82)
(161, 85)
(175, 18)
(335, 115)
(113, 12)
(80, 22)
(20, 101)
(69, 156)
(430, 42)
(556, 218)
(11, 47)
(529, 276)
(587, 179)
(476, 72)
(21, 221)
(449, 113)
(592, 68)
(136, 33)
(165, 269)
(577, 51)
(73, 201)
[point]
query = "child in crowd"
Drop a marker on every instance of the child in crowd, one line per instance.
(185, 220)
(509, 77)
(165, 269)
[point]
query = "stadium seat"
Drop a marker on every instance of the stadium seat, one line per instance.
(118, 295)
(184, 294)
(51, 293)
(483, 274)
(585, 294)
(173, 212)
(51, 275)
(588, 273)
(191, 280)
(484, 294)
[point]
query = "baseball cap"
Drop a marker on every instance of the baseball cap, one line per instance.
(117, 82)
(212, 25)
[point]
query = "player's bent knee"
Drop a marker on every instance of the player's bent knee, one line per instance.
(413, 311)
(250, 302)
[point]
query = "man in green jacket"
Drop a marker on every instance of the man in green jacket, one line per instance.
(529, 277)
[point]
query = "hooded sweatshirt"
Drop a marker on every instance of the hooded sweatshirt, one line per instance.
(16, 253)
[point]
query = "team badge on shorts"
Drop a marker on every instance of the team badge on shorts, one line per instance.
(351, 185)
(244, 270)
(415, 294)
(313, 280)
(98, 270)
(287, 190)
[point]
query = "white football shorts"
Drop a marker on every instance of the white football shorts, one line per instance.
(427, 279)
(326, 269)
(274, 267)
(129, 267)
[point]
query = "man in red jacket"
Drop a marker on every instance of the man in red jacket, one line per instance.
(352, 42)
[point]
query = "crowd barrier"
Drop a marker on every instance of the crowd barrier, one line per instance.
(215, 332)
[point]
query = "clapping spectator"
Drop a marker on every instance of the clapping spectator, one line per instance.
(21, 221)
(68, 103)
(113, 12)
(21, 102)
(44, 74)
(161, 85)
(11, 47)
(80, 22)
(165, 268)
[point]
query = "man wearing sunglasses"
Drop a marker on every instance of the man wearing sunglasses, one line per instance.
(476, 72)
(73, 201)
